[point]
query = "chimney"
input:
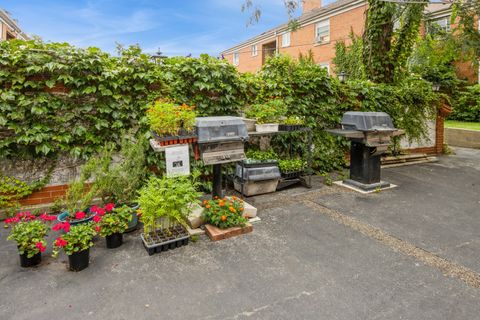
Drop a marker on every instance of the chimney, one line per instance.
(309, 5)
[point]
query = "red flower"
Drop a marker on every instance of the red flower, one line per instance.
(58, 227)
(11, 220)
(40, 246)
(97, 218)
(66, 226)
(45, 217)
(60, 242)
(94, 209)
(100, 211)
(97, 228)
(109, 207)
(79, 215)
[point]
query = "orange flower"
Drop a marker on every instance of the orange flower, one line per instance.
(241, 209)
(205, 202)
(207, 206)
(221, 203)
(234, 198)
(224, 218)
(232, 209)
(215, 197)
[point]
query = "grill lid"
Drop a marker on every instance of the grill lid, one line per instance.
(367, 121)
(215, 129)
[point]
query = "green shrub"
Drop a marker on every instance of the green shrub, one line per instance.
(466, 107)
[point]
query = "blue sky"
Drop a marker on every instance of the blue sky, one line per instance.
(178, 27)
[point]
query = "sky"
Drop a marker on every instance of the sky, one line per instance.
(178, 27)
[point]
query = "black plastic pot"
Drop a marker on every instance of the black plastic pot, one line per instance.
(114, 240)
(79, 260)
(30, 262)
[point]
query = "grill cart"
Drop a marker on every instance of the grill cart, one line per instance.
(221, 140)
(370, 134)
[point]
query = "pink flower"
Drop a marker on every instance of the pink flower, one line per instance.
(97, 218)
(80, 215)
(60, 242)
(40, 246)
(100, 211)
(109, 207)
(11, 220)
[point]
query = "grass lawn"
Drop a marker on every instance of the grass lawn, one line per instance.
(462, 125)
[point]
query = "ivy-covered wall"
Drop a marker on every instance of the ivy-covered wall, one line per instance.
(56, 99)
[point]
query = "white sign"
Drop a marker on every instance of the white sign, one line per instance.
(178, 160)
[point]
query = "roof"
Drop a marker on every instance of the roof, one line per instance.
(303, 19)
(5, 16)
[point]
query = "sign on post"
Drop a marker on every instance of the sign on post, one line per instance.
(178, 160)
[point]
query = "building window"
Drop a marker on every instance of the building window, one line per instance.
(322, 31)
(236, 58)
(326, 66)
(286, 39)
(254, 50)
(441, 25)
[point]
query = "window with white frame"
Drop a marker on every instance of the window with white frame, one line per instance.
(286, 39)
(322, 31)
(438, 25)
(326, 66)
(254, 50)
(236, 58)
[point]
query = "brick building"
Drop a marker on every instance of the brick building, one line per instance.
(320, 27)
(9, 28)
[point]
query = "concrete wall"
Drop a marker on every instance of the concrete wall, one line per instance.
(428, 142)
(462, 138)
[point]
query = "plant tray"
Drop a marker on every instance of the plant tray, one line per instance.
(290, 127)
(292, 174)
(257, 163)
(165, 239)
(171, 140)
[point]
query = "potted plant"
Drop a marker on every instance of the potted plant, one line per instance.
(164, 205)
(76, 244)
(119, 182)
(113, 224)
(172, 123)
(291, 168)
(29, 232)
(267, 115)
(292, 123)
(80, 193)
(224, 213)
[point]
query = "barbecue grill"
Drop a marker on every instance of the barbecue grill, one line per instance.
(370, 134)
(221, 140)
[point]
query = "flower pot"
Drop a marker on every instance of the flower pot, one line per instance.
(266, 127)
(79, 260)
(250, 124)
(26, 262)
(62, 217)
(114, 240)
(132, 225)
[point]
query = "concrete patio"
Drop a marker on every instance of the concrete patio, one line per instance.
(412, 252)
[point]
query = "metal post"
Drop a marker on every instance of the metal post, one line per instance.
(217, 181)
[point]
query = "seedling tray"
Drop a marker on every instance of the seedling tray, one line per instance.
(171, 140)
(290, 127)
(165, 239)
(292, 174)
(258, 163)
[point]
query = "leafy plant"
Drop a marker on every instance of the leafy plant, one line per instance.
(119, 182)
(267, 155)
(115, 221)
(291, 165)
(269, 112)
(165, 201)
(466, 107)
(77, 239)
(29, 232)
(293, 120)
(224, 213)
(169, 119)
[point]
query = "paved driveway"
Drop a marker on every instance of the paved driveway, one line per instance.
(325, 253)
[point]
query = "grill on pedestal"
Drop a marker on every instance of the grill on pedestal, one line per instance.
(221, 140)
(370, 134)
